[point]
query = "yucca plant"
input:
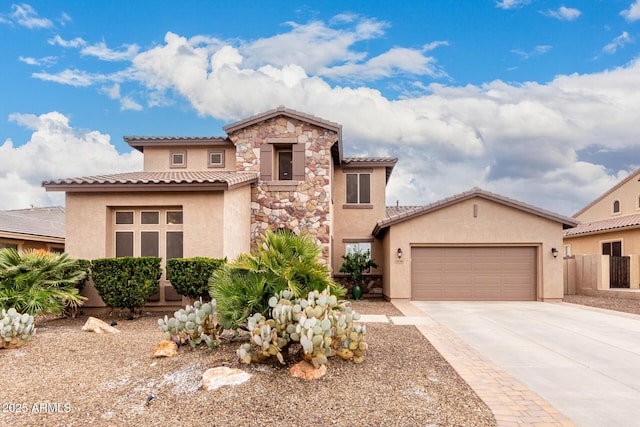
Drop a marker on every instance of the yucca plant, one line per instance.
(283, 261)
(36, 281)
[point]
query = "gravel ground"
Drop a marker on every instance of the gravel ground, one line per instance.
(617, 304)
(68, 377)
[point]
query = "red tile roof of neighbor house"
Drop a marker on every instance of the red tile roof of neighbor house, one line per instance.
(619, 222)
(399, 214)
(155, 181)
(41, 222)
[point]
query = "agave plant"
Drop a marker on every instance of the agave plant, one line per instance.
(37, 282)
(282, 261)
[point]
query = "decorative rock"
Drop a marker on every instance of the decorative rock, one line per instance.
(221, 376)
(165, 348)
(306, 371)
(99, 327)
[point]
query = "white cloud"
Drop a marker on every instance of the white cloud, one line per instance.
(44, 61)
(112, 92)
(563, 13)
(57, 40)
(633, 13)
(619, 41)
(101, 51)
(55, 150)
(26, 16)
(537, 51)
(77, 78)
(511, 4)
(128, 103)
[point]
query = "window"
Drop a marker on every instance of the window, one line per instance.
(124, 217)
(359, 188)
(8, 246)
(567, 250)
(612, 248)
(282, 159)
(616, 206)
(284, 163)
(178, 159)
(174, 244)
(147, 217)
(358, 246)
(216, 159)
(174, 217)
(124, 243)
(149, 243)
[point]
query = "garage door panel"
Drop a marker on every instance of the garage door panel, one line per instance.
(474, 273)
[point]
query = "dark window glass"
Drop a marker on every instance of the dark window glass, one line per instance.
(174, 217)
(285, 165)
(215, 159)
(149, 243)
(352, 188)
(150, 217)
(8, 246)
(612, 248)
(174, 244)
(124, 217)
(365, 188)
(616, 206)
(124, 243)
(178, 159)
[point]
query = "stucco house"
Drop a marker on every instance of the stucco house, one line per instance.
(214, 196)
(610, 226)
(34, 228)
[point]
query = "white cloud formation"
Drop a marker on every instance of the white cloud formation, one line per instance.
(25, 15)
(620, 41)
(101, 51)
(511, 4)
(128, 103)
(59, 41)
(633, 13)
(537, 51)
(563, 13)
(55, 150)
(44, 61)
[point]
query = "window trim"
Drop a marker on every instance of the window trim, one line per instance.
(359, 176)
(173, 163)
(133, 217)
(212, 164)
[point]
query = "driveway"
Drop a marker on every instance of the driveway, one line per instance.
(585, 362)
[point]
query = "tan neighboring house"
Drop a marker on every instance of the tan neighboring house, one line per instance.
(215, 196)
(610, 226)
(34, 228)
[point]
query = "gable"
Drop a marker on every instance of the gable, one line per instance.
(626, 192)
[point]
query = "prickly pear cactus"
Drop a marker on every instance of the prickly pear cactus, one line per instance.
(15, 329)
(194, 325)
(322, 326)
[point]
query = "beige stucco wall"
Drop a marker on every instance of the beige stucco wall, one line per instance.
(592, 243)
(455, 225)
(157, 159)
(628, 194)
(211, 227)
(353, 222)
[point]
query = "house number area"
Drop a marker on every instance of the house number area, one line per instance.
(39, 407)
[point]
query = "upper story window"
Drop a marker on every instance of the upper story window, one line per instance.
(216, 159)
(616, 206)
(282, 160)
(359, 188)
(124, 217)
(178, 159)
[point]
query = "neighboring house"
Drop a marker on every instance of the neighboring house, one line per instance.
(283, 169)
(35, 228)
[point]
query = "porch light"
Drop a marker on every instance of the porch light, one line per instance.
(554, 251)
(399, 253)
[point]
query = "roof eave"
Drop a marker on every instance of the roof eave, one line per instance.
(139, 187)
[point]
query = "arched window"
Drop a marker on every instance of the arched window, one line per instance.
(616, 206)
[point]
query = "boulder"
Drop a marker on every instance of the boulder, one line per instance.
(98, 326)
(221, 376)
(165, 348)
(307, 372)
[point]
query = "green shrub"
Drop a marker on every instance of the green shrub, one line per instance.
(356, 263)
(126, 282)
(283, 261)
(37, 282)
(190, 276)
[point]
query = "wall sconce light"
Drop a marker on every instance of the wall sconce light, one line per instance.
(554, 251)
(399, 253)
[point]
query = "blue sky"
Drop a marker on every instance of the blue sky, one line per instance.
(536, 100)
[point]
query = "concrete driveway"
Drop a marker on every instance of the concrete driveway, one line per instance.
(585, 362)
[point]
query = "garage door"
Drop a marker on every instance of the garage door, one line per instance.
(473, 274)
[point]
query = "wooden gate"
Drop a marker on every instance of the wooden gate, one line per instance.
(619, 271)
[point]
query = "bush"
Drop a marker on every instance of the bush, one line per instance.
(356, 263)
(126, 282)
(37, 282)
(283, 261)
(190, 276)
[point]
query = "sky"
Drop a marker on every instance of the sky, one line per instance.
(537, 100)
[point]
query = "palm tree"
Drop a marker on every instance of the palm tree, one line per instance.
(283, 261)
(36, 281)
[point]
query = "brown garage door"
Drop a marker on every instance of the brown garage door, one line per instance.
(473, 274)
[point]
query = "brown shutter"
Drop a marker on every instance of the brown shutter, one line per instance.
(298, 161)
(266, 162)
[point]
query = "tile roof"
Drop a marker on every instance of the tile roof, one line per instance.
(400, 215)
(155, 180)
(397, 210)
(48, 222)
(139, 142)
(389, 162)
(615, 223)
(287, 112)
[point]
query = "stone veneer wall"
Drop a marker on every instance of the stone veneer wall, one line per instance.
(306, 209)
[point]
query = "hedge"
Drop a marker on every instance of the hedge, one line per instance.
(190, 276)
(126, 282)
